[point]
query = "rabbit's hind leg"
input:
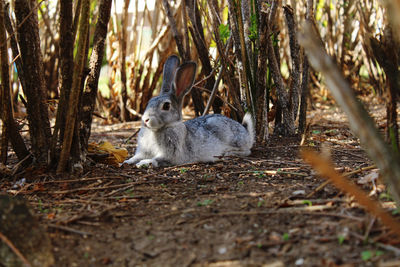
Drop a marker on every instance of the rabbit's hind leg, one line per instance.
(237, 152)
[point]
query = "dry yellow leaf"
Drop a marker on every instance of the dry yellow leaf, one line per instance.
(116, 155)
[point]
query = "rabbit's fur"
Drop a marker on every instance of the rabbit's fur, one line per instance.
(165, 140)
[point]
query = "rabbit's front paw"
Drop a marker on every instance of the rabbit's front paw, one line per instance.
(144, 163)
(130, 161)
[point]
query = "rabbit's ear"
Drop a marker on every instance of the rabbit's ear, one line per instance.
(184, 79)
(170, 67)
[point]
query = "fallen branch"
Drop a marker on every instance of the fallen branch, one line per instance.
(68, 229)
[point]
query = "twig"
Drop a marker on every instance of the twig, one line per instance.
(214, 90)
(325, 183)
(18, 166)
(268, 212)
(223, 100)
(68, 229)
(369, 227)
(130, 137)
(393, 249)
(14, 249)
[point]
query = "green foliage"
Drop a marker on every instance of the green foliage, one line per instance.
(40, 207)
(259, 174)
(385, 196)
(366, 255)
(307, 202)
(224, 32)
(253, 36)
(205, 202)
(341, 239)
(183, 170)
(285, 237)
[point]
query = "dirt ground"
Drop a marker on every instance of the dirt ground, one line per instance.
(253, 211)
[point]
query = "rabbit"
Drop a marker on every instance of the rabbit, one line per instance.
(165, 140)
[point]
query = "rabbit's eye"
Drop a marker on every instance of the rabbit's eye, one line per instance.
(166, 106)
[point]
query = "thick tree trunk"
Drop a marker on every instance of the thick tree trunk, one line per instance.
(29, 43)
(295, 74)
(96, 58)
(10, 130)
(286, 125)
(305, 76)
(73, 101)
(66, 72)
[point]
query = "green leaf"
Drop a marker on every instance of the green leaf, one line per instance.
(385, 196)
(205, 202)
(307, 202)
(285, 236)
(224, 32)
(379, 253)
(253, 36)
(366, 255)
(341, 239)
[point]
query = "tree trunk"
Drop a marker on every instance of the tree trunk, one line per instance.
(295, 74)
(10, 131)
(305, 77)
(385, 52)
(200, 43)
(29, 43)
(96, 58)
(123, 97)
(66, 72)
(286, 127)
(73, 102)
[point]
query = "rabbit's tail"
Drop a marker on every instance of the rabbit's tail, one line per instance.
(248, 123)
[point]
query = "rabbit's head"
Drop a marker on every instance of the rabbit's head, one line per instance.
(166, 108)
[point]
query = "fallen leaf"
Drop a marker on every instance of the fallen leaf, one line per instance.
(38, 187)
(112, 156)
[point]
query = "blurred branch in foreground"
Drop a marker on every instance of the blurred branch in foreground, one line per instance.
(359, 120)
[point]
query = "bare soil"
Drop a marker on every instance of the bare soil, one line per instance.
(251, 211)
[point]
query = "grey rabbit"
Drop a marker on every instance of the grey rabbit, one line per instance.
(165, 140)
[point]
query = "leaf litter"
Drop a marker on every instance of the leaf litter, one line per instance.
(262, 210)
